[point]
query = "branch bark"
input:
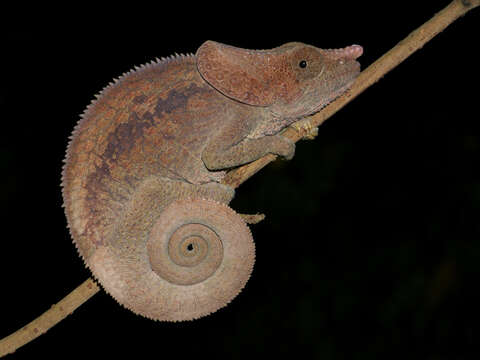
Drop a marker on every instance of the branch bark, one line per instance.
(234, 178)
(48, 319)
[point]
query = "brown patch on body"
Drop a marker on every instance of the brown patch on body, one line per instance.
(134, 130)
(176, 100)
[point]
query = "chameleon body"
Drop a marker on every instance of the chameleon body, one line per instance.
(141, 181)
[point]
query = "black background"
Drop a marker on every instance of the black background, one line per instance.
(370, 246)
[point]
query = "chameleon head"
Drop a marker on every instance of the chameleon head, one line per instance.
(313, 77)
(293, 80)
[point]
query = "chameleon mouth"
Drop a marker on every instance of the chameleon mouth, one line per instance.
(334, 95)
(350, 73)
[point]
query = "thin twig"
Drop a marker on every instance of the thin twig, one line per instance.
(234, 178)
(49, 318)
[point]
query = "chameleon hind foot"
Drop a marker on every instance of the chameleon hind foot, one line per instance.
(252, 218)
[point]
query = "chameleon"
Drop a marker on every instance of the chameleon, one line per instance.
(141, 182)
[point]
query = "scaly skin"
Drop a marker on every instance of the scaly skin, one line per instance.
(141, 180)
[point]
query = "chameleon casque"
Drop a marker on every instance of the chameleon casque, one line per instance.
(141, 180)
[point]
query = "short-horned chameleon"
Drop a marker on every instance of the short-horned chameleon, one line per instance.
(141, 181)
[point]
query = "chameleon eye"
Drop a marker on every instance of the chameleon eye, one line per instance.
(303, 64)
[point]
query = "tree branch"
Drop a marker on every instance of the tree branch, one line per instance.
(234, 178)
(48, 319)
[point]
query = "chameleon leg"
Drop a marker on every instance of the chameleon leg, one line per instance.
(213, 190)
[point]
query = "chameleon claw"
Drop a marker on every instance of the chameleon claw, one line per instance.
(307, 131)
